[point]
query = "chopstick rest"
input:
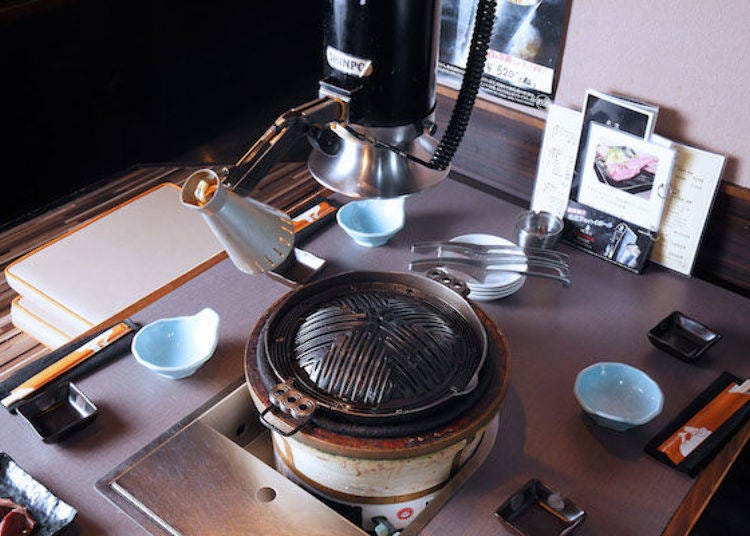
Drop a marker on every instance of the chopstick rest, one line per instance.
(312, 216)
(64, 363)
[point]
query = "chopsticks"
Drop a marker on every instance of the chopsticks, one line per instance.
(60, 367)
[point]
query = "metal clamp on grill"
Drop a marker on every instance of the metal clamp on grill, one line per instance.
(457, 285)
(291, 402)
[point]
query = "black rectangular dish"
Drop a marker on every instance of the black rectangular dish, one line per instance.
(682, 337)
(58, 411)
(537, 510)
(50, 513)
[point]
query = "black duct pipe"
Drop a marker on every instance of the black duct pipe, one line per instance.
(480, 42)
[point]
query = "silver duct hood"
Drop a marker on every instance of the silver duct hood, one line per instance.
(380, 162)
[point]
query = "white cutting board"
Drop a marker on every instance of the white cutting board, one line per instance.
(120, 261)
(35, 324)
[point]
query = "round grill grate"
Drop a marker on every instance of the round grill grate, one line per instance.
(375, 349)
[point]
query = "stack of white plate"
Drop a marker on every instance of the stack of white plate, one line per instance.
(497, 284)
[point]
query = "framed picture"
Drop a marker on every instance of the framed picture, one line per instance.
(617, 113)
(625, 176)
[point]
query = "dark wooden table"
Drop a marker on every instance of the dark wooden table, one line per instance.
(553, 333)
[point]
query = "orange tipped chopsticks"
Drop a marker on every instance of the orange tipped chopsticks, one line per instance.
(73, 359)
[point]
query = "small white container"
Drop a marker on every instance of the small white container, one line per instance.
(176, 347)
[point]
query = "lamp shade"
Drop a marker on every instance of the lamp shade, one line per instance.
(257, 237)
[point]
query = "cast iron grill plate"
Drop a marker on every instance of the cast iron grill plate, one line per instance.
(375, 349)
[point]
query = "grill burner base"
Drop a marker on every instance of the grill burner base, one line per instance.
(363, 515)
(368, 488)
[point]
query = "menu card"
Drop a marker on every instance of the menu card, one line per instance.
(557, 160)
(625, 176)
(695, 182)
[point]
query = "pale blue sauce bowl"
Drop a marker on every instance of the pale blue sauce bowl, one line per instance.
(617, 395)
(372, 222)
(176, 347)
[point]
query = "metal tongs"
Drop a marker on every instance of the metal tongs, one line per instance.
(480, 251)
(478, 261)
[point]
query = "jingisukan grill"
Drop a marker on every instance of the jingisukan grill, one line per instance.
(377, 387)
(371, 355)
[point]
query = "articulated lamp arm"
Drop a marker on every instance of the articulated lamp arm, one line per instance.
(308, 119)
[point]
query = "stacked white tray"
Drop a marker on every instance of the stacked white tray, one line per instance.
(110, 266)
(497, 284)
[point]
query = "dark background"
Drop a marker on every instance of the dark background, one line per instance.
(91, 87)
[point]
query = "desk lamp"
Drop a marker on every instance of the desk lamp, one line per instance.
(370, 129)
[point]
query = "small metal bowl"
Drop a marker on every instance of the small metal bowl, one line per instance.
(58, 411)
(538, 229)
(536, 509)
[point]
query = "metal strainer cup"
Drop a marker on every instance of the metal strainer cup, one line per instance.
(538, 229)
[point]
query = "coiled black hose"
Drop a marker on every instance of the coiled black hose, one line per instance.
(480, 42)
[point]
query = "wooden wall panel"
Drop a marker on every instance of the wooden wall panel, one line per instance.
(500, 147)
(724, 255)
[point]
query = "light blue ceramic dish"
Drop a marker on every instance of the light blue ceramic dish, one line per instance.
(372, 222)
(617, 395)
(176, 347)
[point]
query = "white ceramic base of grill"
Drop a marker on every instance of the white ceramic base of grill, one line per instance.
(397, 489)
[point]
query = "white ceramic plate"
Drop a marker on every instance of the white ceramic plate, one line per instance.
(498, 284)
(496, 292)
(489, 296)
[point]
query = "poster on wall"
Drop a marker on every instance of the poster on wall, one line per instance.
(524, 55)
